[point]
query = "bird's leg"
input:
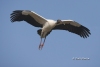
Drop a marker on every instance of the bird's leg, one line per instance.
(40, 43)
(43, 43)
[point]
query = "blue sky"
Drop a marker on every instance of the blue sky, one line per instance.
(19, 41)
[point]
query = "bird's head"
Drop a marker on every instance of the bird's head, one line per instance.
(59, 21)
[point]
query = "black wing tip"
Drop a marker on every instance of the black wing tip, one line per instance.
(85, 32)
(16, 11)
(14, 15)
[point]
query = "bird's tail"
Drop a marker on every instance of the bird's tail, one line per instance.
(39, 31)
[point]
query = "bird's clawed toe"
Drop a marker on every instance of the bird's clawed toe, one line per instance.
(41, 46)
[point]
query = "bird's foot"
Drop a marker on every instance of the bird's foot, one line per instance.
(41, 46)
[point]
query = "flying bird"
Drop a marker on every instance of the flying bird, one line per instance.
(47, 25)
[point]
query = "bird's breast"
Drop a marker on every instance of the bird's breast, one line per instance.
(47, 28)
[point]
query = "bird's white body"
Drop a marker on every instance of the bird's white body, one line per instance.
(48, 26)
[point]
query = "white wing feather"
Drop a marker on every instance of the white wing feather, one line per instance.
(36, 16)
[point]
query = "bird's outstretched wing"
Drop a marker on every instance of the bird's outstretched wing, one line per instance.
(74, 27)
(28, 16)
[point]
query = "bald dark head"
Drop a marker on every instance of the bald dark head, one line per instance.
(59, 21)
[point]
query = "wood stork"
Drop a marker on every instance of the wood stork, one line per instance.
(47, 25)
